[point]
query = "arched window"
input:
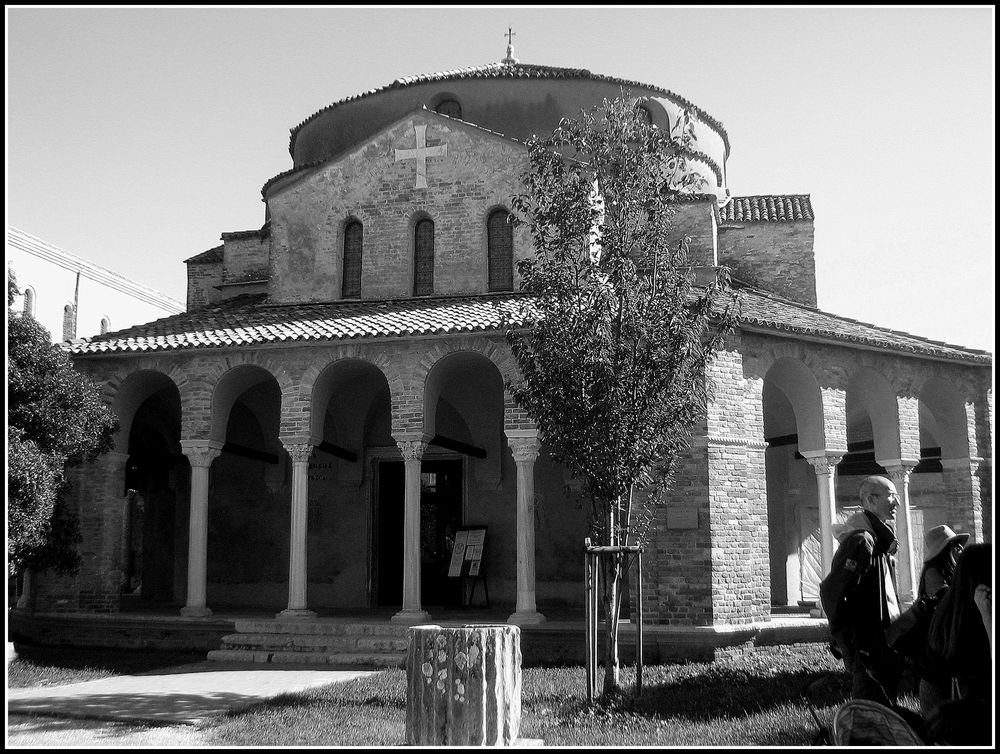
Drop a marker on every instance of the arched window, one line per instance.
(423, 258)
(69, 322)
(500, 250)
(353, 233)
(105, 325)
(29, 301)
(449, 107)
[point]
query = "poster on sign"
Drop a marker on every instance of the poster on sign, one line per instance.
(467, 557)
(458, 554)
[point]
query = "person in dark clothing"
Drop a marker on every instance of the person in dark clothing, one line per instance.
(959, 653)
(859, 594)
(942, 546)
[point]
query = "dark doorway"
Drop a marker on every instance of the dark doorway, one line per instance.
(440, 516)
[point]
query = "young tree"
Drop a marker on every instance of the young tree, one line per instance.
(614, 363)
(55, 417)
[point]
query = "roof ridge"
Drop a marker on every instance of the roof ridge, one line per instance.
(768, 294)
(251, 319)
(371, 137)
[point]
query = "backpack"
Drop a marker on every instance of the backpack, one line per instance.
(850, 562)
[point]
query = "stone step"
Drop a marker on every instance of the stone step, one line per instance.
(329, 628)
(377, 660)
(316, 642)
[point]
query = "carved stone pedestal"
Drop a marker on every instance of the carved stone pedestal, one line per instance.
(463, 685)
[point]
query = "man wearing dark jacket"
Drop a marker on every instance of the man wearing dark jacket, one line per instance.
(859, 594)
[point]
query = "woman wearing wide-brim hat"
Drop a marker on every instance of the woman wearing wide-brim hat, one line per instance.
(942, 546)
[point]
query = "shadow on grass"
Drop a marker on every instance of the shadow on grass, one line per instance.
(37, 665)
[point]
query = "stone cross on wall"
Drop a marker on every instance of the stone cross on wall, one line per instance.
(420, 154)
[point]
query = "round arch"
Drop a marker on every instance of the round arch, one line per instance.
(871, 397)
(795, 382)
(227, 390)
(133, 390)
(357, 381)
(943, 421)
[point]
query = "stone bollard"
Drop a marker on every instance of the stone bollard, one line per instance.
(463, 685)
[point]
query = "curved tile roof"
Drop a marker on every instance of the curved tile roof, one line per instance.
(519, 71)
(249, 320)
(768, 208)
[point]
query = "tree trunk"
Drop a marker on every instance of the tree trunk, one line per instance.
(612, 606)
(612, 609)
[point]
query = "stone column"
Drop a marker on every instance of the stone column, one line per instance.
(525, 444)
(900, 470)
(200, 454)
(298, 577)
(824, 463)
(412, 446)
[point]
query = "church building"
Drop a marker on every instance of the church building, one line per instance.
(330, 411)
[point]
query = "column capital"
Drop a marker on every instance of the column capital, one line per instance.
(524, 448)
(823, 461)
(412, 444)
(299, 451)
(899, 468)
(201, 452)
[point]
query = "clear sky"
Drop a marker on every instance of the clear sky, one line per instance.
(136, 136)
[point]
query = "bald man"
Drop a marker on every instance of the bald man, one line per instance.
(859, 594)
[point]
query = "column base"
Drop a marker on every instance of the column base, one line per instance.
(195, 612)
(526, 618)
(298, 612)
(410, 617)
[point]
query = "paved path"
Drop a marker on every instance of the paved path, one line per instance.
(120, 711)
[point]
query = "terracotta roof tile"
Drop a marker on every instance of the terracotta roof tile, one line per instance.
(767, 311)
(767, 209)
(245, 320)
(249, 319)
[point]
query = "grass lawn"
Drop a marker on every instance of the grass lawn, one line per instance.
(751, 701)
(755, 700)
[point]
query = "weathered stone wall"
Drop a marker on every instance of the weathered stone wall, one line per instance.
(309, 215)
(774, 256)
(245, 257)
(695, 220)
(202, 279)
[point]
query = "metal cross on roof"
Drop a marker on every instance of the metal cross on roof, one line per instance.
(510, 59)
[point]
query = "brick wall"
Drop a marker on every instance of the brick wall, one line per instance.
(774, 256)
(308, 216)
(695, 219)
(245, 257)
(201, 282)
(715, 572)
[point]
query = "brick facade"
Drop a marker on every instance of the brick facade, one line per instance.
(744, 496)
(774, 256)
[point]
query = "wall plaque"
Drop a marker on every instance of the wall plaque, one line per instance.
(682, 518)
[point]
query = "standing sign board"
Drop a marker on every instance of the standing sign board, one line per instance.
(467, 556)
